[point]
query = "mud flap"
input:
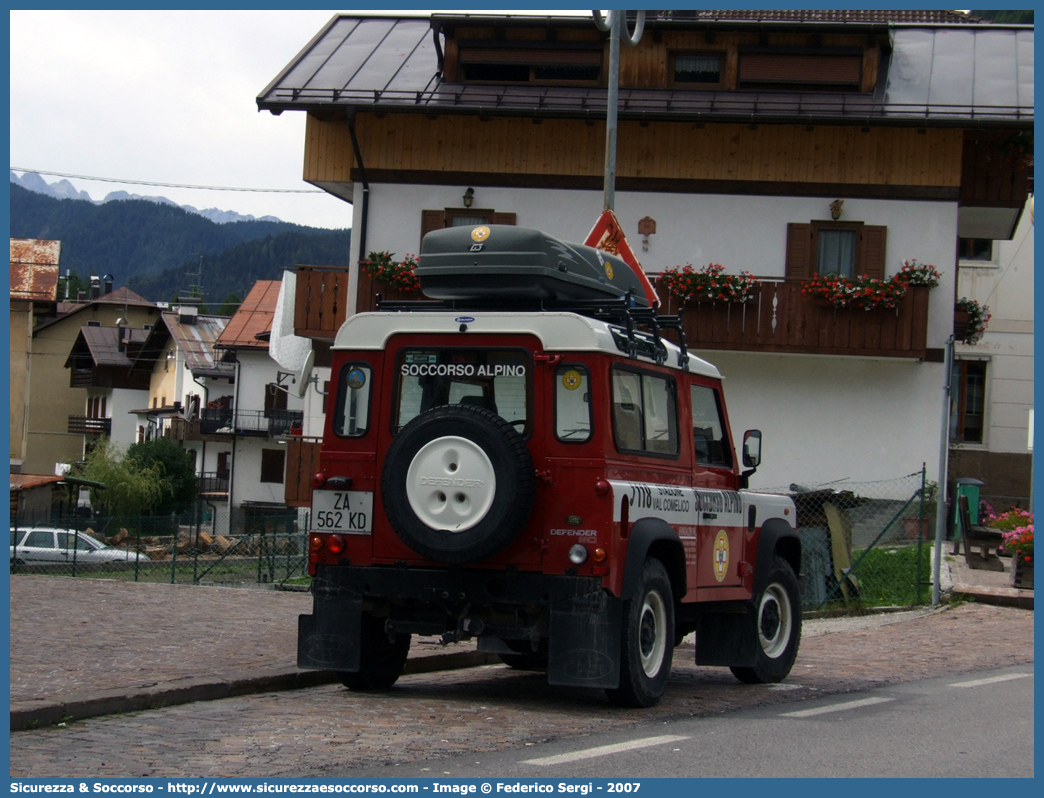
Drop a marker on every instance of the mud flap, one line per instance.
(328, 639)
(584, 645)
(727, 638)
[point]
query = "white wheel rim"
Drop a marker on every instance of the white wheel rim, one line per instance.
(652, 633)
(774, 620)
(451, 484)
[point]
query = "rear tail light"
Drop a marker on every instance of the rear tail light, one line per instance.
(320, 545)
(335, 545)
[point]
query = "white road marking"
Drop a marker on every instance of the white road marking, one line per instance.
(605, 750)
(863, 702)
(991, 680)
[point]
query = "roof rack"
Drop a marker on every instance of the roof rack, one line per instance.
(621, 312)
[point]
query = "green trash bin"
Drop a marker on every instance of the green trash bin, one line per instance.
(969, 486)
(966, 486)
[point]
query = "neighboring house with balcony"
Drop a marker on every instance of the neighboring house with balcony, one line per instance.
(55, 402)
(992, 384)
(34, 294)
(100, 361)
(184, 379)
(263, 412)
(782, 143)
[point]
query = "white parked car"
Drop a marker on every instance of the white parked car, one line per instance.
(45, 544)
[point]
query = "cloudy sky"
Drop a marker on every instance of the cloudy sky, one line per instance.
(165, 97)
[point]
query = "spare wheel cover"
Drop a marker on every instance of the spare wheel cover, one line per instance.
(458, 484)
(451, 484)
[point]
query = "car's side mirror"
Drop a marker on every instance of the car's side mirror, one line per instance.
(752, 448)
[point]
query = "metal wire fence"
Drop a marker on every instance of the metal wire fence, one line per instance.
(866, 544)
(247, 549)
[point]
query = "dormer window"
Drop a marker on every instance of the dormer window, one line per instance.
(545, 65)
(697, 70)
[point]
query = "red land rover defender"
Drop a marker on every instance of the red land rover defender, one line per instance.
(525, 460)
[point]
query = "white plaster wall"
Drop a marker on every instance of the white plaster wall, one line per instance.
(745, 233)
(831, 418)
(824, 418)
(246, 477)
(1007, 287)
(121, 402)
(256, 371)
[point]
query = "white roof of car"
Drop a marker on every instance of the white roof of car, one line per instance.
(557, 331)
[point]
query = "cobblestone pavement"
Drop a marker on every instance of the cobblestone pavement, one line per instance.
(134, 634)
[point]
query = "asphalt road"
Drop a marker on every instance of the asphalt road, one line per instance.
(977, 725)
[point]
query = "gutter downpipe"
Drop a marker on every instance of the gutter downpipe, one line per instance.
(202, 467)
(364, 215)
(944, 455)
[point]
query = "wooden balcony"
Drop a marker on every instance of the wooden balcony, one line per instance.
(321, 302)
(780, 319)
(320, 306)
(84, 425)
(302, 461)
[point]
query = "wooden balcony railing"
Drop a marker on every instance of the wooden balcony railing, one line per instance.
(780, 319)
(320, 306)
(321, 302)
(83, 425)
(302, 461)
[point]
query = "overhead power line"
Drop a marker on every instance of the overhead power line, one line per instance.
(170, 185)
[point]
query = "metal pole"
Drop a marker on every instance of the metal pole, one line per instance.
(609, 191)
(944, 453)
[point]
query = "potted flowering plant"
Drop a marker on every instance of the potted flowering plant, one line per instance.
(1016, 527)
(709, 282)
(859, 292)
(970, 320)
(400, 275)
(915, 273)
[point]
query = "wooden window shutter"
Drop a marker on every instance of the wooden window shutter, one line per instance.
(872, 239)
(432, 220)
(502, 218)
(799, 251)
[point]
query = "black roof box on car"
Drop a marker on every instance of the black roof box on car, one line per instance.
(503, 263)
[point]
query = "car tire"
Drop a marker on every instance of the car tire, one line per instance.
(647, 643)
(777, 626)
(458, 484)
(381, 659)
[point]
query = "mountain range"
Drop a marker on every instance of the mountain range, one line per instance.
(63, 189)
(161, 250)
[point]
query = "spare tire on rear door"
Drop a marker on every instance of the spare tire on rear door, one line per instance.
(458, 484)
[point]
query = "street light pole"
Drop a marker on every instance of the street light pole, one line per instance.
(614, 24)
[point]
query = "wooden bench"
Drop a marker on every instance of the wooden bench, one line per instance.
(982, 538)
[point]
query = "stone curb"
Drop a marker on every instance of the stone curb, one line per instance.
(34, 714)
(1003, 596)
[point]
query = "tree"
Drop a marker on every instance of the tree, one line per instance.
(152, 478)
(175, 470)
(229, 306)
(129, 491)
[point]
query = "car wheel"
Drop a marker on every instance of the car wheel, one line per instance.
(778, 627)
(647, 644)
(381, 659)
(458, 484)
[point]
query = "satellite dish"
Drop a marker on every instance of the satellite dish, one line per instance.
(304, 375)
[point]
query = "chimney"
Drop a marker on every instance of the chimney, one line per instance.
(95, 287)
(107, 284)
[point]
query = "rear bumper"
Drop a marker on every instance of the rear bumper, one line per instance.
(578, 619)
